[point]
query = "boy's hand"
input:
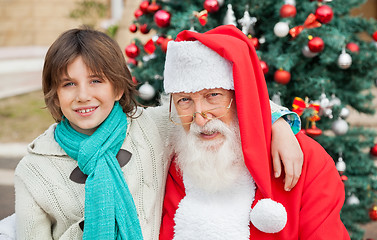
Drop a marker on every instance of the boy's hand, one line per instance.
(285, 148)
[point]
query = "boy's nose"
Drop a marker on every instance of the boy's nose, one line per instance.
(83, 94)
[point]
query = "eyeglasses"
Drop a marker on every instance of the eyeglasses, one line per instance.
(215, 113)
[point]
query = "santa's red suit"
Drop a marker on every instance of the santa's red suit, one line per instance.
(314, 204)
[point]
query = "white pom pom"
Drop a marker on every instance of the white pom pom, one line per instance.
(268, 216)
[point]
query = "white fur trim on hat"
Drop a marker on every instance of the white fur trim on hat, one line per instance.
(268, 216)
(190, 66)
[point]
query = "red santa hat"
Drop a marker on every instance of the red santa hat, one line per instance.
(225, 58)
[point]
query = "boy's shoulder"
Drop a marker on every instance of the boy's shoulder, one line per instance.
(45, 144)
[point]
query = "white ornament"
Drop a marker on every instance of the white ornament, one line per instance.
(146, 58)
(352, 200)
(324, 102)
(307, 53)
(155, 38)
(344, 112)
(290, 2)
(146, 91)
(340, 127)
(335, 101)
(328, 112)
(229, 16)
(247, 23)
(276, 98)
(281, 29)
(221, 2)
(344, 60)
(340, 165)
(262, 40)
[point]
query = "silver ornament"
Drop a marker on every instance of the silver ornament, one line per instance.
(307, 53)
(344, 60)
(344, 112)
(352, 200)
(229, 16)
(324, 102)
(340, 165)
(146, 91)
(262, 40)
(276, 98)
(247, 23)
(290, 2)
(281, 29)
(339, 127)
(328, 113)
(146, 58)
(155, 38)
(221, 2)
(335, 101)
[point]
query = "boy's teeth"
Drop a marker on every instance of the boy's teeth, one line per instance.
(86, 110)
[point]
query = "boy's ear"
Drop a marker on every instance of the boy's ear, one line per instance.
(119, 95)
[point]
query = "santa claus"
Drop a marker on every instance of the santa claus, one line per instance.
(220, 183)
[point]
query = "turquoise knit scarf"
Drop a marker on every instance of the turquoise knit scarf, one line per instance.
(110, 211)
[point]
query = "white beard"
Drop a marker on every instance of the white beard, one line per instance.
(211, 165)
(219, 188)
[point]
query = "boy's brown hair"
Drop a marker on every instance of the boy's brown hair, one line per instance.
(100, 53)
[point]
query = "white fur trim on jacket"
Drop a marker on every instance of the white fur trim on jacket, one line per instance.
(215, 216)
(190, 66)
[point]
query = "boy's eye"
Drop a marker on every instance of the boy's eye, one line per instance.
(96, 81)
(67, 84)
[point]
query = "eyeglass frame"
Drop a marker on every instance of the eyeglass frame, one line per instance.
(203, 113)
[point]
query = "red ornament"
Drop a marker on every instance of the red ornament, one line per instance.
(373, 213)
(149, 47)
(255, 42)
(264, 67)
(153, 7)
(344, 178)
(282, 76)
(132, 51)
(211, 5)
(138, 13)
(313, 131)
(316, 44)
(162, 18)
(288, 10)
(353, 47)
(373, 150)
(375, 36)
(144, 6)
(133, 28)
(132, 61)
(202, 17)
(164, 44)
(144, 28)
(324, 14)
(160, 40)
(134, 80)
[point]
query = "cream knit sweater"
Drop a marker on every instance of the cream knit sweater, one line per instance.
(51, 206)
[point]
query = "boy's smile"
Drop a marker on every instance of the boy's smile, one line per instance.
(85, 99)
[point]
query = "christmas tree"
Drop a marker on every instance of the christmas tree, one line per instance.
(317, 59)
